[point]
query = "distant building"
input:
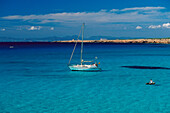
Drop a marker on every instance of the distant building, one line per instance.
(103, 39)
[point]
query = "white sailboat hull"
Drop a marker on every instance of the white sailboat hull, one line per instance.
(92, 67)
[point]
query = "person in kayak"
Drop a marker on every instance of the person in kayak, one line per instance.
(150, 82)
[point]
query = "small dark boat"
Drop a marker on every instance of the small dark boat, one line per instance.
(150, 83)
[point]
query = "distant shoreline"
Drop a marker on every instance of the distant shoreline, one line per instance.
(135, 41)
(149, 41)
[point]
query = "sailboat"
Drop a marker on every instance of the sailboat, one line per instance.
(82, 66)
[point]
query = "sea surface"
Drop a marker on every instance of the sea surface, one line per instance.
(34, 78)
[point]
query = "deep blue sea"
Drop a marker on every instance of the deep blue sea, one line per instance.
(34, 78)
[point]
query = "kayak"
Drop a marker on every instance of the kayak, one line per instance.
(150, 83)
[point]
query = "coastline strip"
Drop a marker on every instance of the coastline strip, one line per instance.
(154, 41)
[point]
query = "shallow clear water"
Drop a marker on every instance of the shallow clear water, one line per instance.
(35, 78)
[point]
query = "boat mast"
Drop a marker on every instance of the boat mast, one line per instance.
(82, 44)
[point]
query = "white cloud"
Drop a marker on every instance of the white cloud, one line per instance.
(102, 16)
(166, 25)
(154, 26)
(138, 27)
(34, 28)
(3, 29)
(52, 28)
(103, 10)
(143, 8)
(84, 17)
(113, 10)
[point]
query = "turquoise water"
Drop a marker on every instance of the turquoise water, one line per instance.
(35, 78)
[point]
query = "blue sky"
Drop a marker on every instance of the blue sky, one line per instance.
(36, 19)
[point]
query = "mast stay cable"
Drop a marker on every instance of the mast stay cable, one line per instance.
(75, 46)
